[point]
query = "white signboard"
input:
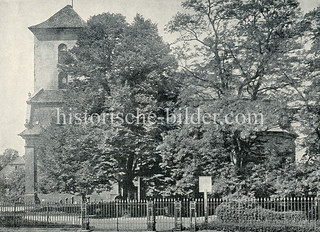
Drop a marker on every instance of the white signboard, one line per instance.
(205, 184)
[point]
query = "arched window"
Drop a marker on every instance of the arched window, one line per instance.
(63, 80)
(62, 53)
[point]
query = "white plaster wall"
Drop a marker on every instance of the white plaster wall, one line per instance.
(46, 61)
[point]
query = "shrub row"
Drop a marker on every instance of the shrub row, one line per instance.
(258, 227)
(243, 211)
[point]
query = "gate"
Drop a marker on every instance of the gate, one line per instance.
(118, 215)
(169, 215)
(164, 214)
(155, 215)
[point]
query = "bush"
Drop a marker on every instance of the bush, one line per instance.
(257, 227)
(245, 210)
(10, 220)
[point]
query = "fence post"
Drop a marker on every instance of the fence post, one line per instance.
(317, 211)
(193, 216)
(177, 216)
(84, 218)
(117, 214)
(15, 215)
(47, 213)
(151, 217)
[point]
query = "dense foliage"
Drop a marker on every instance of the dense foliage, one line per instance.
(12, 182)
(118, 69)
(257, 227)
(235, 57)
(12, 186)
(8, 155)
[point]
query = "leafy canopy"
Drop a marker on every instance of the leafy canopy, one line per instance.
(121, 69)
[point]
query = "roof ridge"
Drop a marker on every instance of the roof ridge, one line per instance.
(67, 17)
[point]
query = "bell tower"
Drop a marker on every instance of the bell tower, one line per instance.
(52, 39)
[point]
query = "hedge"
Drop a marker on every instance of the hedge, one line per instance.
(246, 211)
(257, 227)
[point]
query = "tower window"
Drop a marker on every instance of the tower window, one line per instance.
(62, 53)
(63, 80)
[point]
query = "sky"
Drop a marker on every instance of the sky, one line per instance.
(16, 47)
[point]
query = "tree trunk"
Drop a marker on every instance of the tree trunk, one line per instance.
(127, 183)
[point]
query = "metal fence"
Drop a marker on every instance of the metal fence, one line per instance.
(18, 214)
(164, 214)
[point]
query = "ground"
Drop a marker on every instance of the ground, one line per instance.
(36, 230)
(53, 230)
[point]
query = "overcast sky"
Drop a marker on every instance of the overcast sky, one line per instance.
(16, 47)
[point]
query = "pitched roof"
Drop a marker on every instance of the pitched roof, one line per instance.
(18, 161)
(35, 130)
(65, 18)
(278, 130)
(48, 96)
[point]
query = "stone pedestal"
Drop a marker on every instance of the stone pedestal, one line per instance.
(31, 174)
(31, 185)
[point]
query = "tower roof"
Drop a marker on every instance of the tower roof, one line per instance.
(48, 96)
(65, 18)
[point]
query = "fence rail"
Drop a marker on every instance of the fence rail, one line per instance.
(164, 214)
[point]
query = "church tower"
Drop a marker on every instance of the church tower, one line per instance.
(52, 39)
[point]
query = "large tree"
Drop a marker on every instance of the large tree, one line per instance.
(309, 92)
(309, 104)
(237, 57)
(117, 69)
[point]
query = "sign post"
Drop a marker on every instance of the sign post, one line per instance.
(205, 186)
(205, 206)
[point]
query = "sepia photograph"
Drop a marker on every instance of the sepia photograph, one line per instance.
(160, 115)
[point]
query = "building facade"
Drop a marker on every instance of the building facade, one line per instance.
(52, 38)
